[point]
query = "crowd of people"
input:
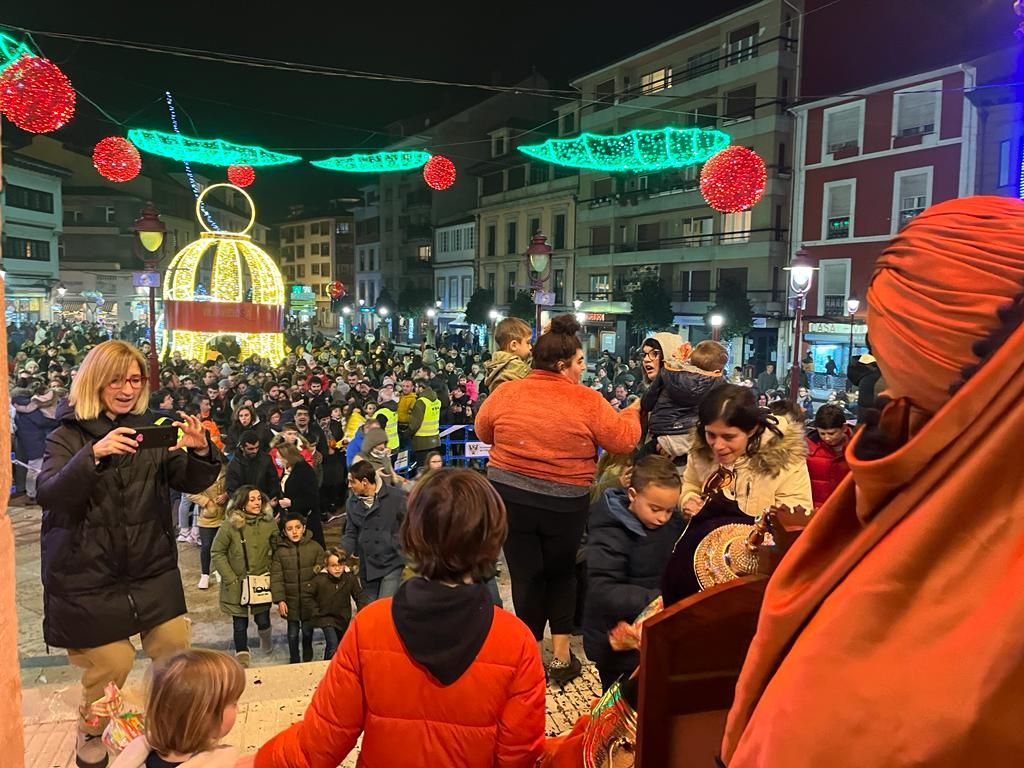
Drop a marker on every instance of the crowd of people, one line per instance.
(269, 453)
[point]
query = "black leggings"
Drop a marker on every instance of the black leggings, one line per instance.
(206, 537)
(541, 554)
(294, 627)
(240, 625)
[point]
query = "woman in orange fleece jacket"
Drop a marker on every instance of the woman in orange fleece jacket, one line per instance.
(545, 431)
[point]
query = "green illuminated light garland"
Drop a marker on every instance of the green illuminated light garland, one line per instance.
(11, 50)
(205, 151)
(378, 162)
(637, 150)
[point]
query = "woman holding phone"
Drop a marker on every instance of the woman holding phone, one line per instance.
(109, 558)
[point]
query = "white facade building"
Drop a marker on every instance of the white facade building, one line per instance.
(454, 253)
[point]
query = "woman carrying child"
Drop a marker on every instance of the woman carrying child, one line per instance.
(436, 675)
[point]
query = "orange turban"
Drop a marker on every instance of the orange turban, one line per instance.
(936, 291)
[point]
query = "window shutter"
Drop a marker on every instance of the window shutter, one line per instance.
(917, 113)
(839, 200)
(843, 129)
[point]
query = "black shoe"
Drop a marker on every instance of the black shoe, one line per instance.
(90, 751)
(562, 676)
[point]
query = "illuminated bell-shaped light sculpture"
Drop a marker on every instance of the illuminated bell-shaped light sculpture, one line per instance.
(245, 298)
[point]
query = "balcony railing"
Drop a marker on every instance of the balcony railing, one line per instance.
(766, 296)
(764, 234)
(835, 305)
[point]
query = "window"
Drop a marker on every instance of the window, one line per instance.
(510, 288)
(314, 228)
(387, 195)
(736, 227)
(600, 240)
(539, 173)
(833, 276)
(288, 253)
(29, 199)
(704, 116)
(341, 228)
(440, 296)
(559, 233)
(913, 192)
(559, 282)
(375, 259)
(30, 250)
(314, 249)
(423, 253)
(843, 128)
(498, 145)
(702, 64)
(655, 81)
(108, 214)
(300, 270)
(647, 236)
(300, 251)
(601, 188)
(568, 123)
(1004, 163)
(781, 162)
(917, 110)
(314, 269)
(453, 292)
(511, 246)
(300, 231)
(492, 283)
(361, 260)
(492, 239)
(467, 290)
(470, 238)
(517, 177)
(734, 276)
(838, 209)
(743, 44)
(700, 285)
(442, 246)
(493, 183)
(534, 226)
(388, 254)
(289, 272)
(740, 104)
(456, 239)
(698, 231)
(690, 177)
(599, 287)
(604, 94)
(325, 270)
(389, 224)
(72, 216)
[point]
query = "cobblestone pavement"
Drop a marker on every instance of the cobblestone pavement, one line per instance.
(276, 695)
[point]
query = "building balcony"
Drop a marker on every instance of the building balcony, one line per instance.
(566, 184)
(755, 243)
(419, 232)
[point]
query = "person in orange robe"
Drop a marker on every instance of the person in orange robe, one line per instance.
(891, 634)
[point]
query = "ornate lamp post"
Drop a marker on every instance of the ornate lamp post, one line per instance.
(538, 257)
(852, 305)
(716, 321)
(149, 241)
(801, 273)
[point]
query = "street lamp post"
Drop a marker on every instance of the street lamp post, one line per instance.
(149, 235)
(493, 316)
(538, 258)
(716, 321)
(801, 273)
(852, 305)
(346, 312)
(383, 326)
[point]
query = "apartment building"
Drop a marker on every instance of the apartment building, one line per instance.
(520, 197)
(865, 166)
(317, 248)
(32, 225)
(736, 73)
(454, 274)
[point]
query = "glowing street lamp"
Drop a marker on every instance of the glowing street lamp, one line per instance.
(852, 305)
(149, 233)
(801, 274)
(716, 321)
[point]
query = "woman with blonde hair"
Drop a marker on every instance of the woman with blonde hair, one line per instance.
(109, 561)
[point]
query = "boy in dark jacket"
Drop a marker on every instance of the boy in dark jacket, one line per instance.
(632, 532)
(676, 392)
(333, 589)
(291, 572)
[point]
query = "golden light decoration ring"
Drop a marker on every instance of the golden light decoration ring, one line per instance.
(205, 192)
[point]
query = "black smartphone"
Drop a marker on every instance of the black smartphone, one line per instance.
(156, 437)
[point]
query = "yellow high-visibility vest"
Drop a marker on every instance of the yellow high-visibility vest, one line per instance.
(431, 426)
(391, 428)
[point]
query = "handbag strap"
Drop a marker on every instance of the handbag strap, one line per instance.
(245, 552)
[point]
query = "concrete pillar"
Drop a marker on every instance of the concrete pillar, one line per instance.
(12, 735)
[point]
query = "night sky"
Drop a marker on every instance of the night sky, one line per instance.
(286, 110)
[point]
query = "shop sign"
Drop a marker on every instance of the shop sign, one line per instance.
(595, 317)
(859, 329)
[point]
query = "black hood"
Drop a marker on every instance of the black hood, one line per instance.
(443, 628)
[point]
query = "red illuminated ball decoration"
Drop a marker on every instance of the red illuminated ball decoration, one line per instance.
(439, 172)
(733, 180)
(35, 95)
(241, 175)
(117, 159)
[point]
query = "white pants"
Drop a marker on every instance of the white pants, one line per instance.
(31, 476)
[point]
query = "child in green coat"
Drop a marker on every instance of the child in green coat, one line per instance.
(295, 560)
(243, 548)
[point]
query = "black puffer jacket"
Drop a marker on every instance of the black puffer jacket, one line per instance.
(291, 572)
(673, 399)
(109, 559)
(333, 598)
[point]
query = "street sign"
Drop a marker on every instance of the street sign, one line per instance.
(146, 279)
(477, 450)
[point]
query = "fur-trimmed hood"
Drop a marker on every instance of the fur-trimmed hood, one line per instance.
(237, 516)
(775, 453)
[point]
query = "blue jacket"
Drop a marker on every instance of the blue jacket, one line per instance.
(372, 533)
(355, 445)
(625, 561)
(33, 427)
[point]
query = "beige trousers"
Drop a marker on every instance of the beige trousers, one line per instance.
(111, 663)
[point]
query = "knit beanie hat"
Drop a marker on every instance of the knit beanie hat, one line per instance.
(372, 438)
